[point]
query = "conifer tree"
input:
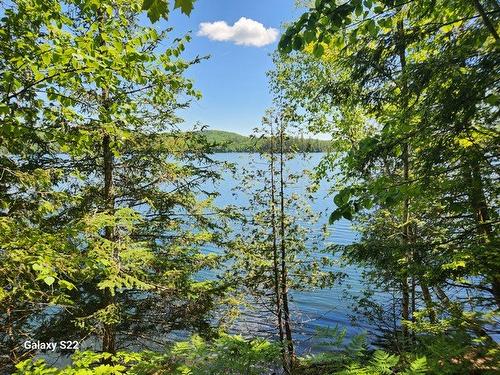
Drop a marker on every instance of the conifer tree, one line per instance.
(102, 220)
(418, 79)
(274, 256)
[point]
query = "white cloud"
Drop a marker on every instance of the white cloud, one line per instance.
(245, 32)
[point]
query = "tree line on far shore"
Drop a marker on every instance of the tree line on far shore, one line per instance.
(223, 141)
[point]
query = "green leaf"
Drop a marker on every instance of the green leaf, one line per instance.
(66, 284)
(49, 280)
(309, 36)
(147, 4)
(334, 216)
(367, 203)
(298, 43)
(318, 50)
(347, 214)
(390, 200)
(493, 99)
(372, 28)
(418, 367)
(385, 22)
(37, 267)
(156, 9)
(342, 197)
(186, 6)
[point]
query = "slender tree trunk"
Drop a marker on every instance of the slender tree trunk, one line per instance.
(480, 209)
(495, 285)
(109, 339)
(405, 304)
(495, 4)
(109, 336)
(276, 270)
(405, 288)
(478, 200)
(284, 271)
(428, 302)
(487, 22)
(441, 295)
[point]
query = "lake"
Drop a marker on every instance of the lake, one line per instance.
(312, 310)
(315, 309)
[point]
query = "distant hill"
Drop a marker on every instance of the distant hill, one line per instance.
(233, 142)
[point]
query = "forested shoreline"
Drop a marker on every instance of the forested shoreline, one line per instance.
(232, 142)
(115, 257)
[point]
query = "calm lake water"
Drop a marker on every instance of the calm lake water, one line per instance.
(315, 309)
(312, 310)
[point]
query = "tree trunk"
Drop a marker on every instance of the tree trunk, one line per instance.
(284, 271)
(276, 270)
(405, 313)
(428, 302)
(109, 340)
(487, 22)
(405, 289)
(441, 295)
(474, 326)
(480, 210)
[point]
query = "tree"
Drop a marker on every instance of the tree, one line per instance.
(422, 76)
(274, 254)
(101, 216)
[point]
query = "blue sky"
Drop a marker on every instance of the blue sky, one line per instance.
(233, 81)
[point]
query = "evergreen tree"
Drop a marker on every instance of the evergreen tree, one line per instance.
(275, 254)
(102, 221)
(418, 78)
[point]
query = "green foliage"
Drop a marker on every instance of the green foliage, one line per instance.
(91, 363)
(405, 89)
(232, 142)
(384, 363)
(355, 358)
(226, 355)
(101, 222)
(259, 240)
(381, 363)
(333, 353)
(157, 9)
(452, 354)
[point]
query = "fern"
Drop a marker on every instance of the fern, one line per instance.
(355, 369)
(357, 346)
(382, 362)
(417, 367)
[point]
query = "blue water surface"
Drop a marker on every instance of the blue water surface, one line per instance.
(314, 309)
